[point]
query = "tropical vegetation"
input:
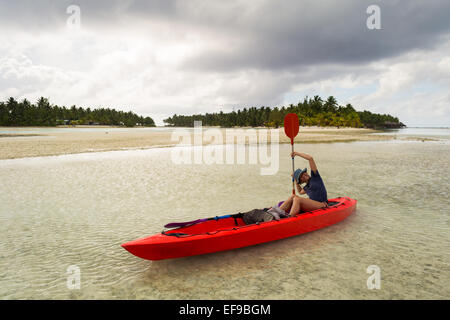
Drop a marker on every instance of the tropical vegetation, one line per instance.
(42, 113)
(311, 111)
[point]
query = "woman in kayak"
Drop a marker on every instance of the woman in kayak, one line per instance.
(314, 188)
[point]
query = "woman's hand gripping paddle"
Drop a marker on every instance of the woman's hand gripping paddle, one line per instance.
(291, 127)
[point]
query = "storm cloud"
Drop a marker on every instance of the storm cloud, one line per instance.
(163, 57)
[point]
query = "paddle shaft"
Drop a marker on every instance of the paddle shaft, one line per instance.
(183, 224)
(291, 128)
(293, 168)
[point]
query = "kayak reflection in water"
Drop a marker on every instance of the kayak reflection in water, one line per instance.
(314, 188)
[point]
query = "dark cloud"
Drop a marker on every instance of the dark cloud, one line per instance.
(224, 54)
(269, 35)
(35, 16)
(334, 35)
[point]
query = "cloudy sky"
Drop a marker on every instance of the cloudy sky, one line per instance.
(158, 58)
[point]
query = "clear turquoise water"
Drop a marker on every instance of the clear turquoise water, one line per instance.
(78, 209)
(439, 133)
(434, 133)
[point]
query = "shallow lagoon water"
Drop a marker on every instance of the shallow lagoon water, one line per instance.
(78, 209)
(49, 130)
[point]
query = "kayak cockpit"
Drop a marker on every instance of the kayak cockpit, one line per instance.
(216, 225)
(208, 226)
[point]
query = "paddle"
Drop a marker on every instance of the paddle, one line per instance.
(291, 127)
(183, 224)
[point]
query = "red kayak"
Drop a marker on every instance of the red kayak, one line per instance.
(231, 233)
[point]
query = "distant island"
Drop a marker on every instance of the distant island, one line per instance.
(14, 113)
(311, 112)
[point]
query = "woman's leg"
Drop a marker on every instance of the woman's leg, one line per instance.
(296, 206)
(304, 205)
(309, 205)
(286, 206)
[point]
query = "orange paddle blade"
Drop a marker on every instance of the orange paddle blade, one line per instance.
(291, 125)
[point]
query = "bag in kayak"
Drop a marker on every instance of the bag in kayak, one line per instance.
(256, 215)
(263, 215)
(277, 212)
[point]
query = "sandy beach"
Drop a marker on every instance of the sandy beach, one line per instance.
(48, 143)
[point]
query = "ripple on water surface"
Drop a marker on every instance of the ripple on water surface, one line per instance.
(78, 209)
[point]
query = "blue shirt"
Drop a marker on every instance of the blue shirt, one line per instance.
(315, 189)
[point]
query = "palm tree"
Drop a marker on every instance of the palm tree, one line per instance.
(316, 104)
(330, 105)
